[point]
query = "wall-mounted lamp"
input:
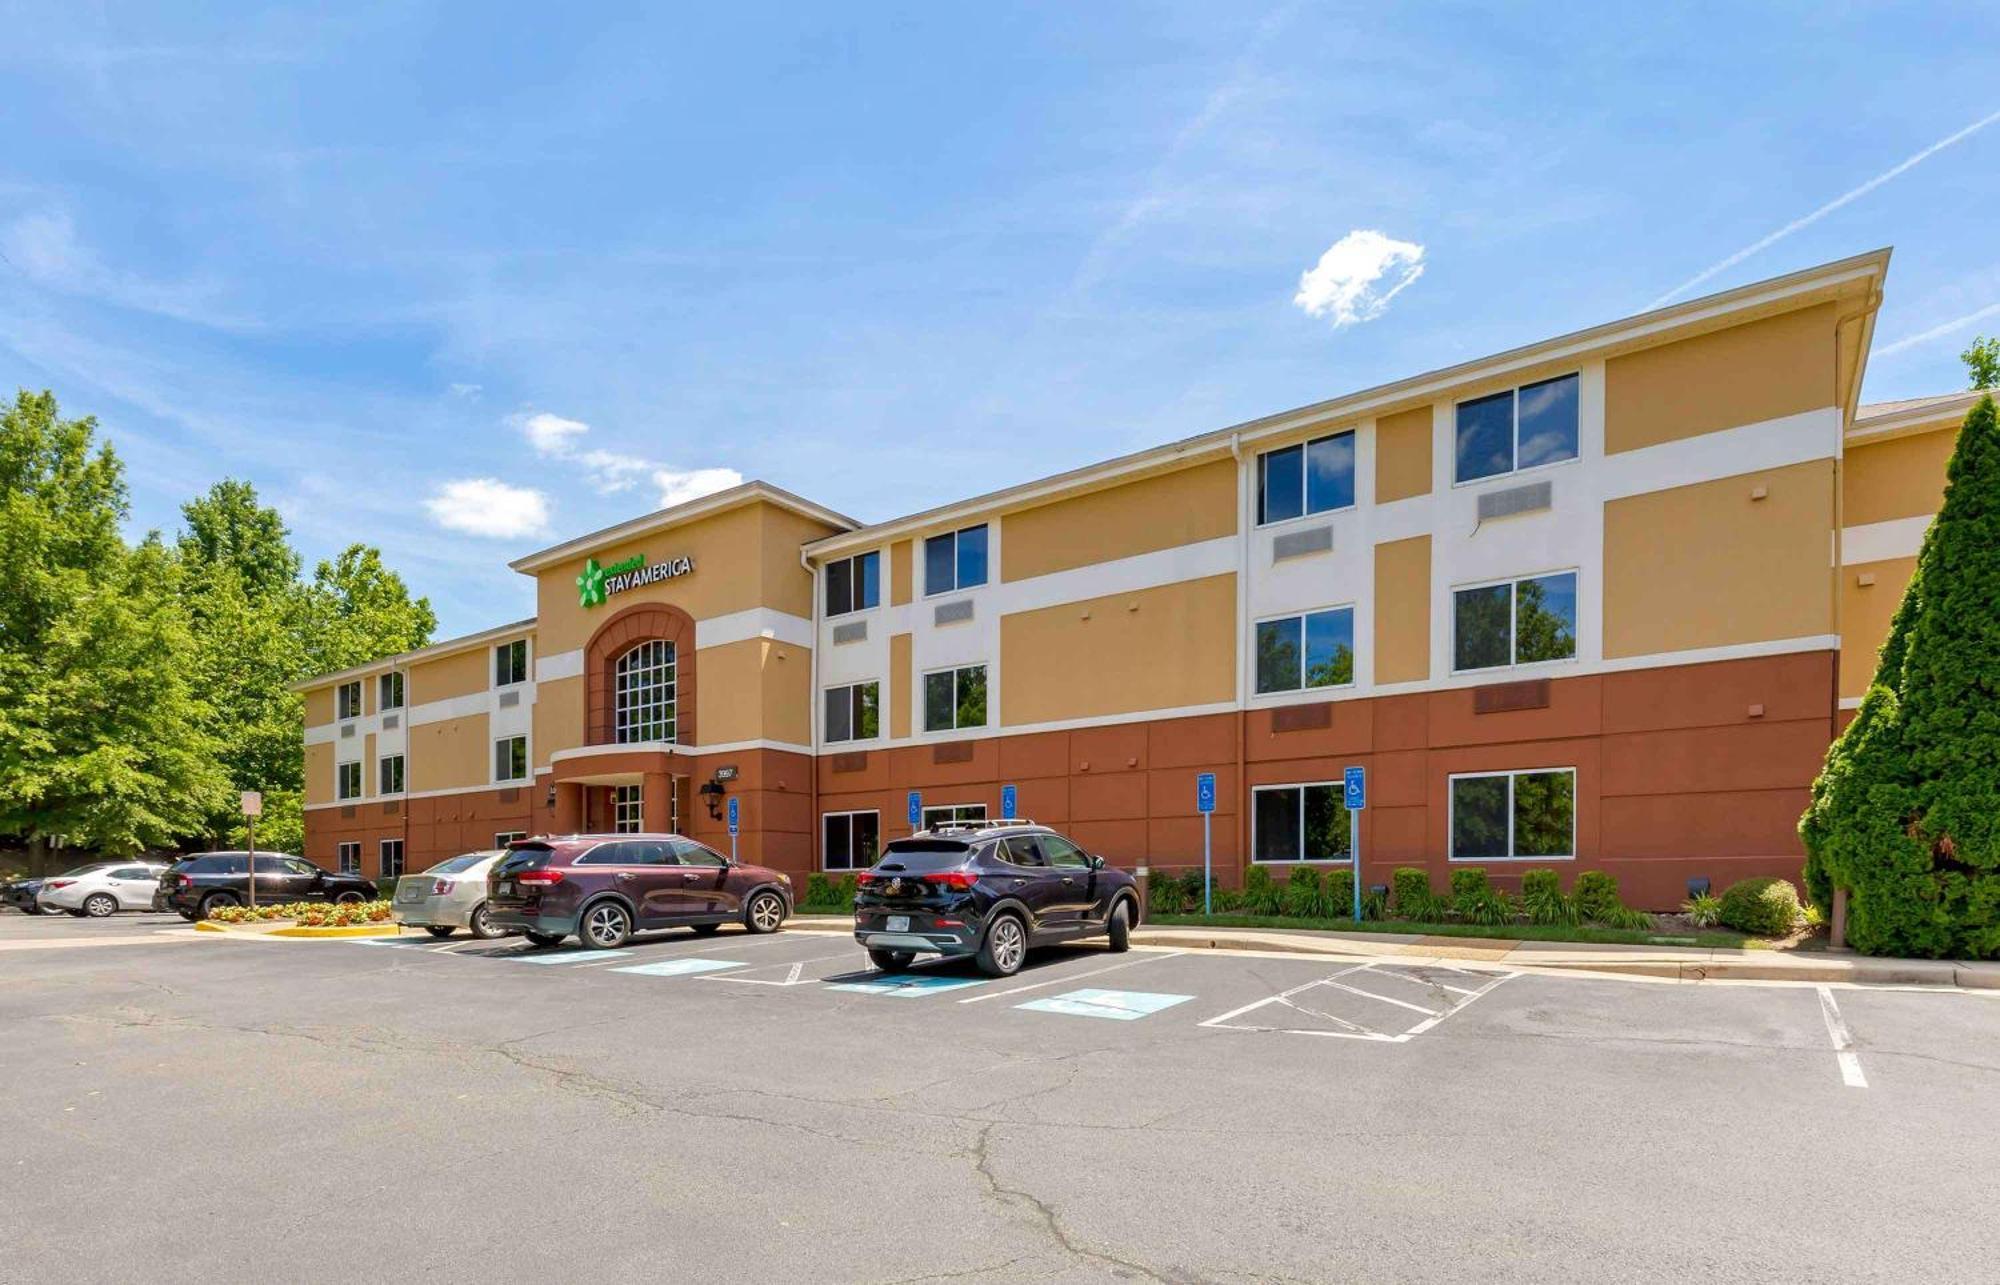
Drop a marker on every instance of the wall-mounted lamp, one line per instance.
(550, 802)
(711, 794)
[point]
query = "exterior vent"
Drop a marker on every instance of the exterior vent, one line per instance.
(1301, 718)
(852, 632)
(1299, 544)
(347, 813)
(851, 761)
(1502, 697)
(950, 613)
(510, 796)
(956, 752)
(390, 722)
(346, 730)
(391, 809)
(509, 699)
(1531, 498)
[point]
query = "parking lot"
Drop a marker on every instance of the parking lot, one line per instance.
(759, 1108)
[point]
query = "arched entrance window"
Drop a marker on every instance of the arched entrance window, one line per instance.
(643, 694)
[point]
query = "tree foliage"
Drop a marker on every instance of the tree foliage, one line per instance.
(1982, 362)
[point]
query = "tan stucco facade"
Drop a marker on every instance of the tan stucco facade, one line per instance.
(1761, 370)
(1185, 506)
(1077, 660)
(1403, 454)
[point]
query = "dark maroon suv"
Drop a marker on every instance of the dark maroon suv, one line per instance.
(604, 887)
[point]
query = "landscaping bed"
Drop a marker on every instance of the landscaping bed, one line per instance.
(310, 914)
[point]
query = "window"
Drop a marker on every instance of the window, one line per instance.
(1062, 854)
(347, 699)
(854, 713)
(510, 758)
(1313, 650)
(1521, 428)
(643, 700)
(853, 839)
(951, 813)
(506, 837)
(510, 663)
(391, 773)
(389, 692)
(631, 852)
(348, 857)
(392, 858)
(1022, 850)
(1313, 477)
(347, 780)
(955, 698)
(853, 584)
(628, 813)
(955, 560)
(1516, 622)
(689, 853)
(1300, 823)
(1514, 816)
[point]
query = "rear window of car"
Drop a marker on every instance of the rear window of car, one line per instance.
(921, 855)
(525, 857)
(458, 865)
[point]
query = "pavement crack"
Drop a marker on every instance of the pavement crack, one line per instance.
(1045, 1216)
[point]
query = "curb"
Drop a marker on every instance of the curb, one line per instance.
(299, 931)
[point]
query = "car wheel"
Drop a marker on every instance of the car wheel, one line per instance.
(1005, 947)
(544, 939)
(1120, 930)
(188, 915)
(100, 905)
(890, 961)
(215, 901)
(74, 914)
(438, 930)
(31, 910)
(707, 930)
(349, 898)
(481, 923)
(606, 925)
(765, 913)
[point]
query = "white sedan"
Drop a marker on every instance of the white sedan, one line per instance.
(450, 895)
(102, 889)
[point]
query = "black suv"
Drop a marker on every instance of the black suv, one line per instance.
(989, 891)
(199, 885)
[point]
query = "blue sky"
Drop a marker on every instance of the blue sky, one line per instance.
(463, 280)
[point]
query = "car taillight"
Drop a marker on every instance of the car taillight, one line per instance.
(58, 883)
(185, 881)
(865, 878)
(441, 888)
(960, 879)
(538, 878)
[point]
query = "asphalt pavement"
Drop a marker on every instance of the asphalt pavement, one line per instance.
(183, 1107)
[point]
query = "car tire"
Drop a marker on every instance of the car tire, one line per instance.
(890, 961)
(1119, 929)
(480, 925)
(438, 930)
(188, 915)
(544, 940)
(31, 910)
(764, 912)
(1004, 948)
(707, 930)
(349, 898)
(604, 925)
(215, 901)
(74, 914)
(100, 905)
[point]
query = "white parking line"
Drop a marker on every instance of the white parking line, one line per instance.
(792, 976)
(1352, 1030)
(1071, 977)
(1280, 997)
(1843, 1042)
(1399, 1003)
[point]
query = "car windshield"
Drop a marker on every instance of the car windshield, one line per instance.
(458, 865)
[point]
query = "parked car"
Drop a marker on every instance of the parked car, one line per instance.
(199, 885)
(102, 889)
(991, 892)
(604, 887)
(20, 894)
(450, 895)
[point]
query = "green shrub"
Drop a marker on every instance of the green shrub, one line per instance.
(1469, 886)
(1485, 905)
(1261, 894)
(1704, 910)
(385, 889)
(1305, 893)
(1338, 901)
(1543, 900)
(1596, 897)
(1411, 895)
(823, 892)
(1228, 901)
(1760, 907)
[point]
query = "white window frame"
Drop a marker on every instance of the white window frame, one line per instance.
(505, 837)
(954, 809)
(923, 691)
(1338, 787)
(382, 685)
(922, 551)
(340, 701)
(1515, 406)
(1451, 812)
(848, 817)
(849, 688)
(527, 662)
(527, 760)
(625, 714)
(340, 793)
(402, 774)
(382, 857)
(1513, 584)
(1257, 500)
(853, 580)
(628, 809)
(1300, 616)
(347, 857)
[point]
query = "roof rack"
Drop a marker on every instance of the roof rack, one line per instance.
(948, 827)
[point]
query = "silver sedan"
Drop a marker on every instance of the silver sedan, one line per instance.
(449, 896)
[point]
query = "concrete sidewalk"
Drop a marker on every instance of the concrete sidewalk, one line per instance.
(1681, 963)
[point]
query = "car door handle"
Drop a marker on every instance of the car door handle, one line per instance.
(1067, 879)
(626, 874)
(1019, 880)
(690, 878)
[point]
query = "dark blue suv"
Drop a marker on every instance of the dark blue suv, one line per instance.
(991, 892)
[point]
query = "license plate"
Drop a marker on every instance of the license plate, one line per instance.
(899, 923)
(506, 887)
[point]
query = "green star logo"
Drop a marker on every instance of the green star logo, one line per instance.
(590, 585)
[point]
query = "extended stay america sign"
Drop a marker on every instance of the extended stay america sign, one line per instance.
(598, 583)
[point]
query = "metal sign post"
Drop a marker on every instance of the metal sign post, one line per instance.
(916, 810)
(253, 807)
(735, 823)
(1354, 786)
(1204, 802)
(1009, 798)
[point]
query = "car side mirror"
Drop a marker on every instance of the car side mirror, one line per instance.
(1097, 863)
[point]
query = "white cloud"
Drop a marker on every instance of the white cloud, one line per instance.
(489, 507)
(678, 487)
(614, 472)
(46, 249)
(552, 434)
(1357, 277)
(469, 392)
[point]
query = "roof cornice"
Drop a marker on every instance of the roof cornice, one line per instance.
(403, 660)
(1908, 421)
(751, 492)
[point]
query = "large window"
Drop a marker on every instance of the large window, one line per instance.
(853, 839)
(347, 858)
(390, 774)
(1313, 650)
(1514, 816)
(510, 758)
(1515, 622)
(506, 837)
(854, 712)
(643, 699)
(1312, 477)
(347, 780)
(955, 698)
(392, 858)
(954, 813)
(853, 584)
(510, 663)
(1521, 428)
(955, 560)
(628, 812)
(1300, 823)
(347, 700)
(389, 692)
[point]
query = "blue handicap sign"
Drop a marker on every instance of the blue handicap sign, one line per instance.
(916, 808)
(1355, 782)
(1204, 792)
(735, 816)
(1008, 798)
